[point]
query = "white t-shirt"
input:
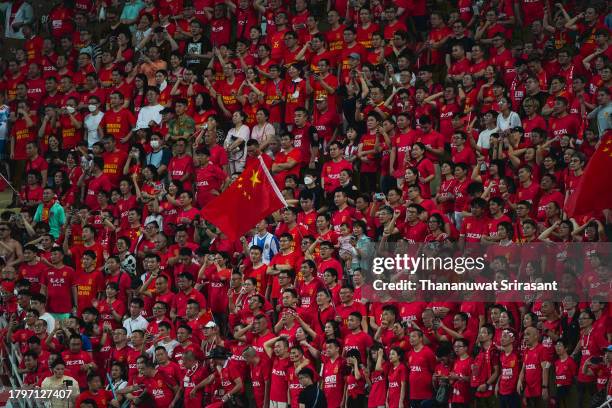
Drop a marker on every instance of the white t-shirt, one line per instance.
(148, 114)
(260, 133)
(91, 125)
(242, 133)
(484, 138)
(513, 120)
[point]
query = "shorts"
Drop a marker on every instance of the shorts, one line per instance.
(276, 404)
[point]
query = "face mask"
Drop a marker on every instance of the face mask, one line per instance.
(70, 109)
(154, 144)
(308, 180)
(92, 108)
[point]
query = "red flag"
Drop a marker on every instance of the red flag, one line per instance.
(594, 191)
(252, 197)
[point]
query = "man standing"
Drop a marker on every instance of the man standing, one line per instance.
(533, 379)
(92, 121)
(510, 367)
(150, 116)
(330, 175)
(58, 286)
(259, 374)
(135, 321)
(117, 122)
(421, 365)
(114, 160)
(603, 111)
(209, 178)
(485, 368)
(51, 212)
(311, 396)
(95, 180)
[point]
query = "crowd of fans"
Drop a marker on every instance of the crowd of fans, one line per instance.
(430, 122)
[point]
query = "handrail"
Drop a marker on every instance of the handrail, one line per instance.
(14, 356)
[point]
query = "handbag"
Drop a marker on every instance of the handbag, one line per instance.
(443, 393)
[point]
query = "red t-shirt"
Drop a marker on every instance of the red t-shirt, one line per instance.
(461, 389)
(159, 387)
(113, 165)
(565, 371)
(88, 286)
(207, 179)
(34, 274)
(74, 362)
(191, 378)
(94, 186)
(529, 193)
(359, 341)
(278, 379)
(22, 135)
(473, 228)
(421, 365)
(510, 368)
(260, 375)
(102, 397)
(433, 140)
(566, 125)
(181, 299)
(533, 359)
(59, 283)
(179, 167)
(118, 124)
(71, 136)
(333, 380)
(218, 285)
(228, 93)
(395, 377)
(331, 174)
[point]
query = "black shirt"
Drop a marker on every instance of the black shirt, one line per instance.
(465, 41)
(201, 47)
(312, 397)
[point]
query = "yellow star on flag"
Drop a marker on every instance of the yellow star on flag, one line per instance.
(255, 178)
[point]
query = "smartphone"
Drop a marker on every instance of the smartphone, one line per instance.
(379, 196)
(68, 383)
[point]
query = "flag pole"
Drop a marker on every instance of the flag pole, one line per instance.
(272, 182)
(8, 183)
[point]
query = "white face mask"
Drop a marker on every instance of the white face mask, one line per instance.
(92, 108)
(70, 109)
(308, 180)
(154, 144)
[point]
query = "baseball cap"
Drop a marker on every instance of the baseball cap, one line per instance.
(518, 129)
(354, 55)
(609, 348)
(210, 325)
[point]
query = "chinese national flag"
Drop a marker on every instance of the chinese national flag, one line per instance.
(248, 200)
(594, 191)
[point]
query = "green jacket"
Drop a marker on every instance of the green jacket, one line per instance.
(57, 218)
